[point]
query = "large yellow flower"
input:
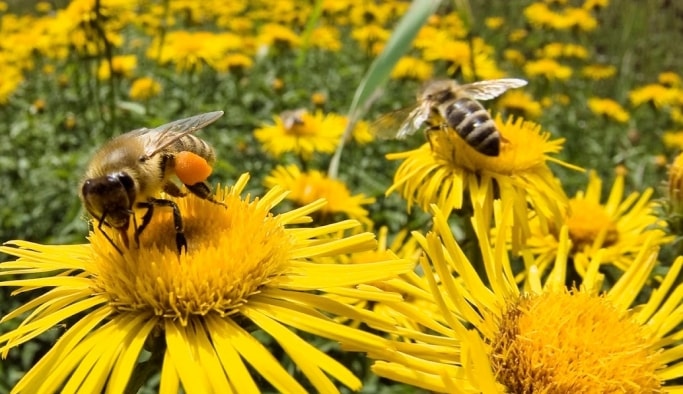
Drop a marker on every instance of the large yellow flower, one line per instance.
(245, 270)
(613, 231)
(449, 170)
(492, 337)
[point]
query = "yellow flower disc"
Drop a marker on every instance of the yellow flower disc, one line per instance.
(231, 253)
(564, 342)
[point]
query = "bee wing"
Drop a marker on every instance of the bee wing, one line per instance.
(487, 90)
(171, 132)
(400, 123)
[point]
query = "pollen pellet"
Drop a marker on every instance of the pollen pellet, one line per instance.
(191, 168)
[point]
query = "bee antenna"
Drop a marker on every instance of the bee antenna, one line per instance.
(99, 227)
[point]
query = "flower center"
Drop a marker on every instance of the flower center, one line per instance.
(523, 146)
(572, 342)
(587, 222)
(232, 252)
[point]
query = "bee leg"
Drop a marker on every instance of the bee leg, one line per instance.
(111, 241)
(180, 240)
(173, 190)
(203, 191)
(429, 131)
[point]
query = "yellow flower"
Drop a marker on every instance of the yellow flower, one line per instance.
(673, 139)
(548, 68)
(273, 34)
(307, 187)
(459, 53)
(610, 232)
(245, 271)
(540, 15)
(143, 89)
(412, 68)
(9, 82)
(491, 337)
(450, 169)
(520, 103)
(494, 22)
(370, 37)
(669, 78)
(514, 56)
(234, 62)
(608, 108)
(593, 4)
(599, 71)
(301, 133)
(189, 51)
(327, 38)
(558, 49)
(122, 66)
(659, 95)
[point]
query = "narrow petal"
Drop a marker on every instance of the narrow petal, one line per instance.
(184, 358)
(311, 360)
(232, 363)
(256, 354)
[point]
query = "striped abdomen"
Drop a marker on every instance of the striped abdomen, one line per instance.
(194, 144)
(473, 123)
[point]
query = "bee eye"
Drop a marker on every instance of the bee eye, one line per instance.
(126, 180)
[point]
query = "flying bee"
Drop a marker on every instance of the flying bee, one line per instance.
(130, 171)
(445, 103)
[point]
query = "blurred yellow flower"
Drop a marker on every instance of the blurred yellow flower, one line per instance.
(659, 95)
(190, 51)
(458, 54)
(520, 103)
(669, 78)
(447, 170)
(548, 68)
(327, 38)
(245, 272)
(494, 22)
(673, 139)
(144, 88)
(598, 71)
(276, 35)
(517, 35)
(370, 37)
(540, 15)
(514, 56)
(307, 187)
(10, 80)
(608, 108)
(593, 4)
(488, 336)
(560, 49)
(121, 66)
(613, 232)
(301, 133)
(409, 67)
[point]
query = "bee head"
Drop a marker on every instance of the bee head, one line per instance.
(110, 198)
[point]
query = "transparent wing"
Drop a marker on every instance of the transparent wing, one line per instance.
(487, 90)
(171, 132)
(398, 124)
(293, 117)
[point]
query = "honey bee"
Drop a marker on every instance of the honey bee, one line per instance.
(130, 171)
(294, 117)
(445, 103)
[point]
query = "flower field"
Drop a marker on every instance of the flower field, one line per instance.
(328, 255)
